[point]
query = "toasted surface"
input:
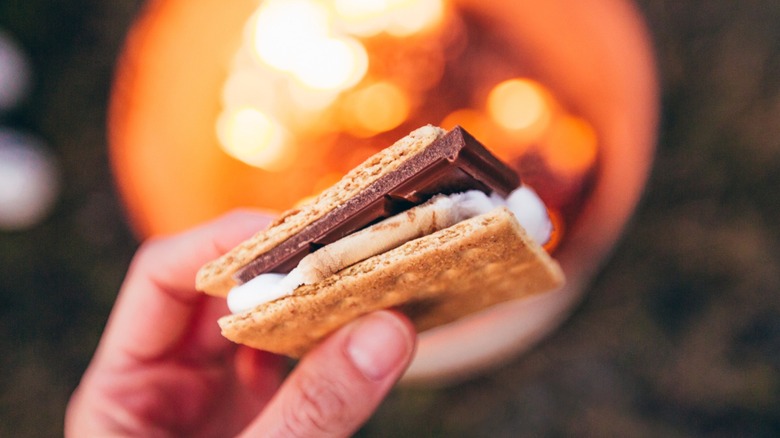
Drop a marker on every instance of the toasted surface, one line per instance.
(435, 280)
(216, 277)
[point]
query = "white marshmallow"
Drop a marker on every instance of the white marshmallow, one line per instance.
(523, 202)
(261, 289)
(531, 213)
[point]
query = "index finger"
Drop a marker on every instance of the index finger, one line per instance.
(158, 304)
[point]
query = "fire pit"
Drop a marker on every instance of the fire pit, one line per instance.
(216, 107)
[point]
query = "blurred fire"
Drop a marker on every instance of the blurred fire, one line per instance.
(314, 87)
(302, 70)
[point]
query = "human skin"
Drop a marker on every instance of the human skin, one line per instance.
(163, 369)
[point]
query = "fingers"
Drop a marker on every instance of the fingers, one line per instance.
(172, 262)
(337, 386)
(158, 304)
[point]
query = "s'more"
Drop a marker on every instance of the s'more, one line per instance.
(434, 226)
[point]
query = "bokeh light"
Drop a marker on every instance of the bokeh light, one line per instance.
(29, 180)
(285, 30)
(396, 17)
(519, 105)
(252, 136)
(571, 147)
(332, 64)
(376, 108)
(14, 73)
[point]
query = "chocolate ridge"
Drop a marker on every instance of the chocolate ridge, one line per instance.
(455, 162)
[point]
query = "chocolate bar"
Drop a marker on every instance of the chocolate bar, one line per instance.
(456, 162)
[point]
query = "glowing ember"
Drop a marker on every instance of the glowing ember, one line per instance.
(297, 37)
(251, 136)
(285, 31)
(396, 17)
(571, 146)
(519, 104)
(297, 59)
(332, 64)
(377, 108)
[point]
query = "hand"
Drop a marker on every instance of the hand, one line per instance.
(162, 368)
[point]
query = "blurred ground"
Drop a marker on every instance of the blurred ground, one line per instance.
(679, 336)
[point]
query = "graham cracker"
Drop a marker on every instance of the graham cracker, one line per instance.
(435, 279)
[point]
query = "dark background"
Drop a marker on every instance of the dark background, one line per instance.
(679, 335)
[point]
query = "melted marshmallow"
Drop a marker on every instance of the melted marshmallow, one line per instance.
(524, 203)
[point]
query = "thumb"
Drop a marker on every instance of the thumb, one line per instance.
(339, 384)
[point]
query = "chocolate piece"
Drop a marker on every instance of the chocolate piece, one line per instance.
(456, 162)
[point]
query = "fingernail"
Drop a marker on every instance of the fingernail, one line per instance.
(378, 345)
